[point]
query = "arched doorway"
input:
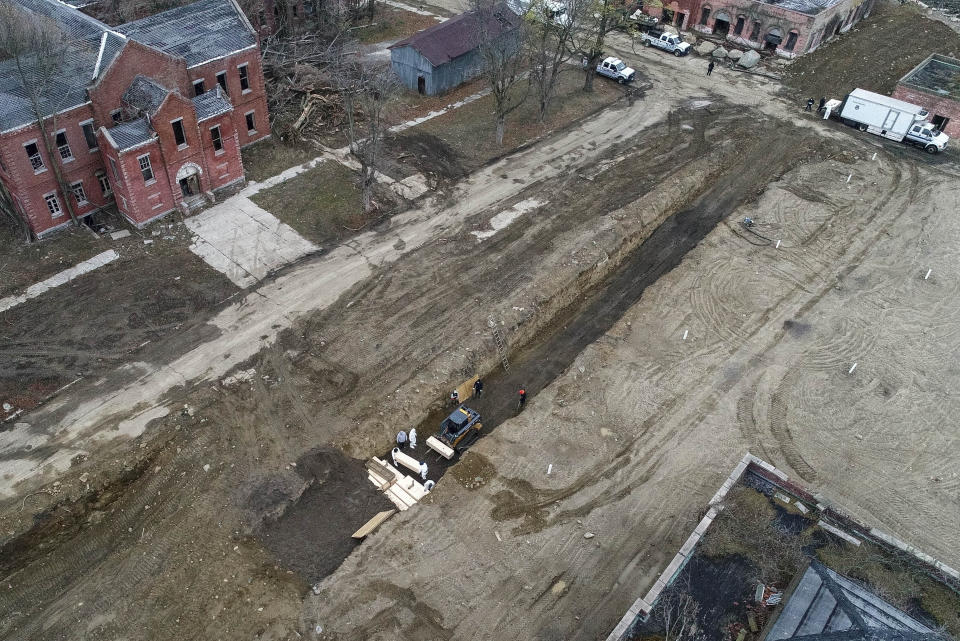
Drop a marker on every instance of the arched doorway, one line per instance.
(188, 177)
(721, 23)
(738, 28)
(791, 40)
(772, 40)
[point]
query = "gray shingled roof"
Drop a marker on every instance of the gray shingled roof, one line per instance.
(130, 134)
(199, 32)
(145, 95)
(806, 7)
(114, 43)
(452, 38)
(210, 104)
(828, 606)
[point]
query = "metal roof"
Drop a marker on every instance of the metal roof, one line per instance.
(145, 95)
(937, 75)
(825, 605)
(452, 38)
(199, 32)
(128, 135)
(210, 104)
(806, 7)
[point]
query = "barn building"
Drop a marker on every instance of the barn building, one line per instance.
(149, 116)
(934, 84)
(446, 55)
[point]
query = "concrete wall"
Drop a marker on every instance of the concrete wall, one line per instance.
(936, 105)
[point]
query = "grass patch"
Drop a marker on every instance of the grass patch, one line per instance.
(391, 23)
(268, 158)
(470, 131)
(322, 204)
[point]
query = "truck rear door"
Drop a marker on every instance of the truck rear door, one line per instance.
(891, 120)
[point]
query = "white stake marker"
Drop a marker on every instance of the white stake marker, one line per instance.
(549, 469)
(852, 368)
(874, 156)
(849, 177)
(498, 535)
(928, 274)
(685, 334)
(778, 244)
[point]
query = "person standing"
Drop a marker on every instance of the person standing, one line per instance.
(823, 103)
(412, 438)
(454, 398)
(710, 68)
(523, 399)
(809, 104)
(401, 439)
(478, 388)
(423, 471)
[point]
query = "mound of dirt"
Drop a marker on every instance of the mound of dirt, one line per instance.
(432, 155)
(873, 55)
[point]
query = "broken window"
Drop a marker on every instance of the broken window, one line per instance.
(33, 153)
(222, 80)
(178, 134)
(251, 123)
(704, 15)
(89, 135)
(755, 33)
(104, 183)
(63, 146)
(215, 137)
(116, 172)
(116, 115)
(244, 78)
(53, 205)
(198, 87)
(145, 168)
(78, 193)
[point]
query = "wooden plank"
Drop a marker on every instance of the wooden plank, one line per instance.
(379, 468)
(370, 526)
(440, 447)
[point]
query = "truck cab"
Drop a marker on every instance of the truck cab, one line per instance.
(925, 135)
(616, 69)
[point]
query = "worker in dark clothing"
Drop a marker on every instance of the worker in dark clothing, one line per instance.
(478, 388)
(710, 68)
(809, 104)
(523, 399)
(823, 102)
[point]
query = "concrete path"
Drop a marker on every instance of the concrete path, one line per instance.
(243, 241)
(59, 278)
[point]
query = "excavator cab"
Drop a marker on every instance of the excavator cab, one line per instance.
(457, 432)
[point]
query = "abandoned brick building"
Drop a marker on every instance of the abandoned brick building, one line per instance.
(149, 116)
(934, 84)
(788, 28)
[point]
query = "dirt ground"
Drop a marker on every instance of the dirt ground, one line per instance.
(659, 340)
(873, 55)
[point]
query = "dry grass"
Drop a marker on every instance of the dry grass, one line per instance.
(390, 24)
(268, 158)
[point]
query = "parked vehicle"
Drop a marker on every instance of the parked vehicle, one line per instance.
(615, 68)
(667, 41)
(642, 21)
(888, 117)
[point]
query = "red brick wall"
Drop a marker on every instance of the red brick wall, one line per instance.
(225, 166)
(133, 60)
(30, 186)
(254, 99)
(936, 105)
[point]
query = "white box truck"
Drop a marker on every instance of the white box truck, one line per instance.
(888, 117)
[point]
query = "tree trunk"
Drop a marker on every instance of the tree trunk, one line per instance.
(501, 127)
(588, 78)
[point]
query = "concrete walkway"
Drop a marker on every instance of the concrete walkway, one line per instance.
(59, 279)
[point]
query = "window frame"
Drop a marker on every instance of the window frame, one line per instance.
(83, 192)
(251, 118)
(116, 171)
(216, 140)
(244, 74)
(37, 169)
(65, 146)
(201, 83)
(93, 135)
(53, 198)
(222, 76)
(104, 179)
(174, 125)
(116, 115)
(146, 168)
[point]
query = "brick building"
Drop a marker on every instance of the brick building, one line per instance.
(149, 116)
(788, 28)
(934, 84)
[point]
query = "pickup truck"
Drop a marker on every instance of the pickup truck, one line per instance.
(615, 68)
(667, 41)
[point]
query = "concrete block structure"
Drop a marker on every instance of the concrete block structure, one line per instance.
(446, 55)
(786, 27)
(934, 84)
(149, 116)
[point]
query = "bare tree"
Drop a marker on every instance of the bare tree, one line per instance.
(600, 18)
(500, 36)
(366, 91)
(551, 25)
(676, 612)
(38, 49)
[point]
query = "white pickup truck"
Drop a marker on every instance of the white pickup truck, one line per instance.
(667, 41)
(615, 68)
